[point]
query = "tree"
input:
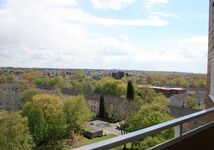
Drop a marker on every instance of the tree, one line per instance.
(88, 87)
(14, 133)
(50, 117)
(77, 86)
(7, 78)
(102, 107)
(28, 95)
(77, 113)
(190, 102)
(130, 91)
(32, 75)
(109, 86)
(148, 115)
(147, 95)
(54, 116)
(36, 121)
(79, 75)
(150, 141)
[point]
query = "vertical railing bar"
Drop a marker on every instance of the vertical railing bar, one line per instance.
(181, 129)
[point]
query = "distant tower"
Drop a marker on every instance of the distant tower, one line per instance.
(210, 68)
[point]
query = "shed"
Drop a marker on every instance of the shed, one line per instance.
(92, 132)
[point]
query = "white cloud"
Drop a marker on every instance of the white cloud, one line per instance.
(151, 3)
(81, 16)
(111, 4)
(60, 2)
(195, 46)
(163, 14)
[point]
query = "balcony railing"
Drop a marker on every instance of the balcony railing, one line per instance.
(141, 134)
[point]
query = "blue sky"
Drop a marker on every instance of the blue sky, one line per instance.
(160, 35)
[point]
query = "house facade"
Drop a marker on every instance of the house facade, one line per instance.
(210, 68)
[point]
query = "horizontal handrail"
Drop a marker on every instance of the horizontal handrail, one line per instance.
(140, 134)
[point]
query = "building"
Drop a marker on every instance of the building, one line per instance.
(210, 69)
(119, 74)
(169, 91)
(10, 95)
(178, 100)
(11, 87)
(92, 132)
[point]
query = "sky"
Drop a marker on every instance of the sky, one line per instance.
(157, 35)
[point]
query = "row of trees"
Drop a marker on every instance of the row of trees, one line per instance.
(7, 78)
(187, 81)
(43, 119)
(106, 85)
(51, 118)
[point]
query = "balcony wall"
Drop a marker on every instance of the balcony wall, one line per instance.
(199, 141)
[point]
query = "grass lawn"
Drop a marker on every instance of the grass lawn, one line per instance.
(98, 139)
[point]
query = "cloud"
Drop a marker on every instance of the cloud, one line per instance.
(151, 3)
(40, 33)
(195, 46)
(111, 4)
(80, 16)
(163, 14)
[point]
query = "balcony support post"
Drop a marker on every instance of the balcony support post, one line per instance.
(178, 130)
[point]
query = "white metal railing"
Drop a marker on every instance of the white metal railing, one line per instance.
(140, 134)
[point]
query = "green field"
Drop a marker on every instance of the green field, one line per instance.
(98, 139)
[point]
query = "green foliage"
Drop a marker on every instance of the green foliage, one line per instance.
(162, 100)
(148, 95)
(102, 107)
(130, 91)
(7, 78)
(77, 86)
(41, 81)
(190, 80)
(96, 77)
(99, 139)
(52, 109)
(56, 82)
(80, 75)
(32, 75)
(50, 123)
(138, 101)
(85, 86)
(88, 87)
(149, 115)
(150, 142)
(98, 88)
(28, 95)
(109, 86)
(36, 121)
(77, 112)
(190, 102)
(14, 133)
